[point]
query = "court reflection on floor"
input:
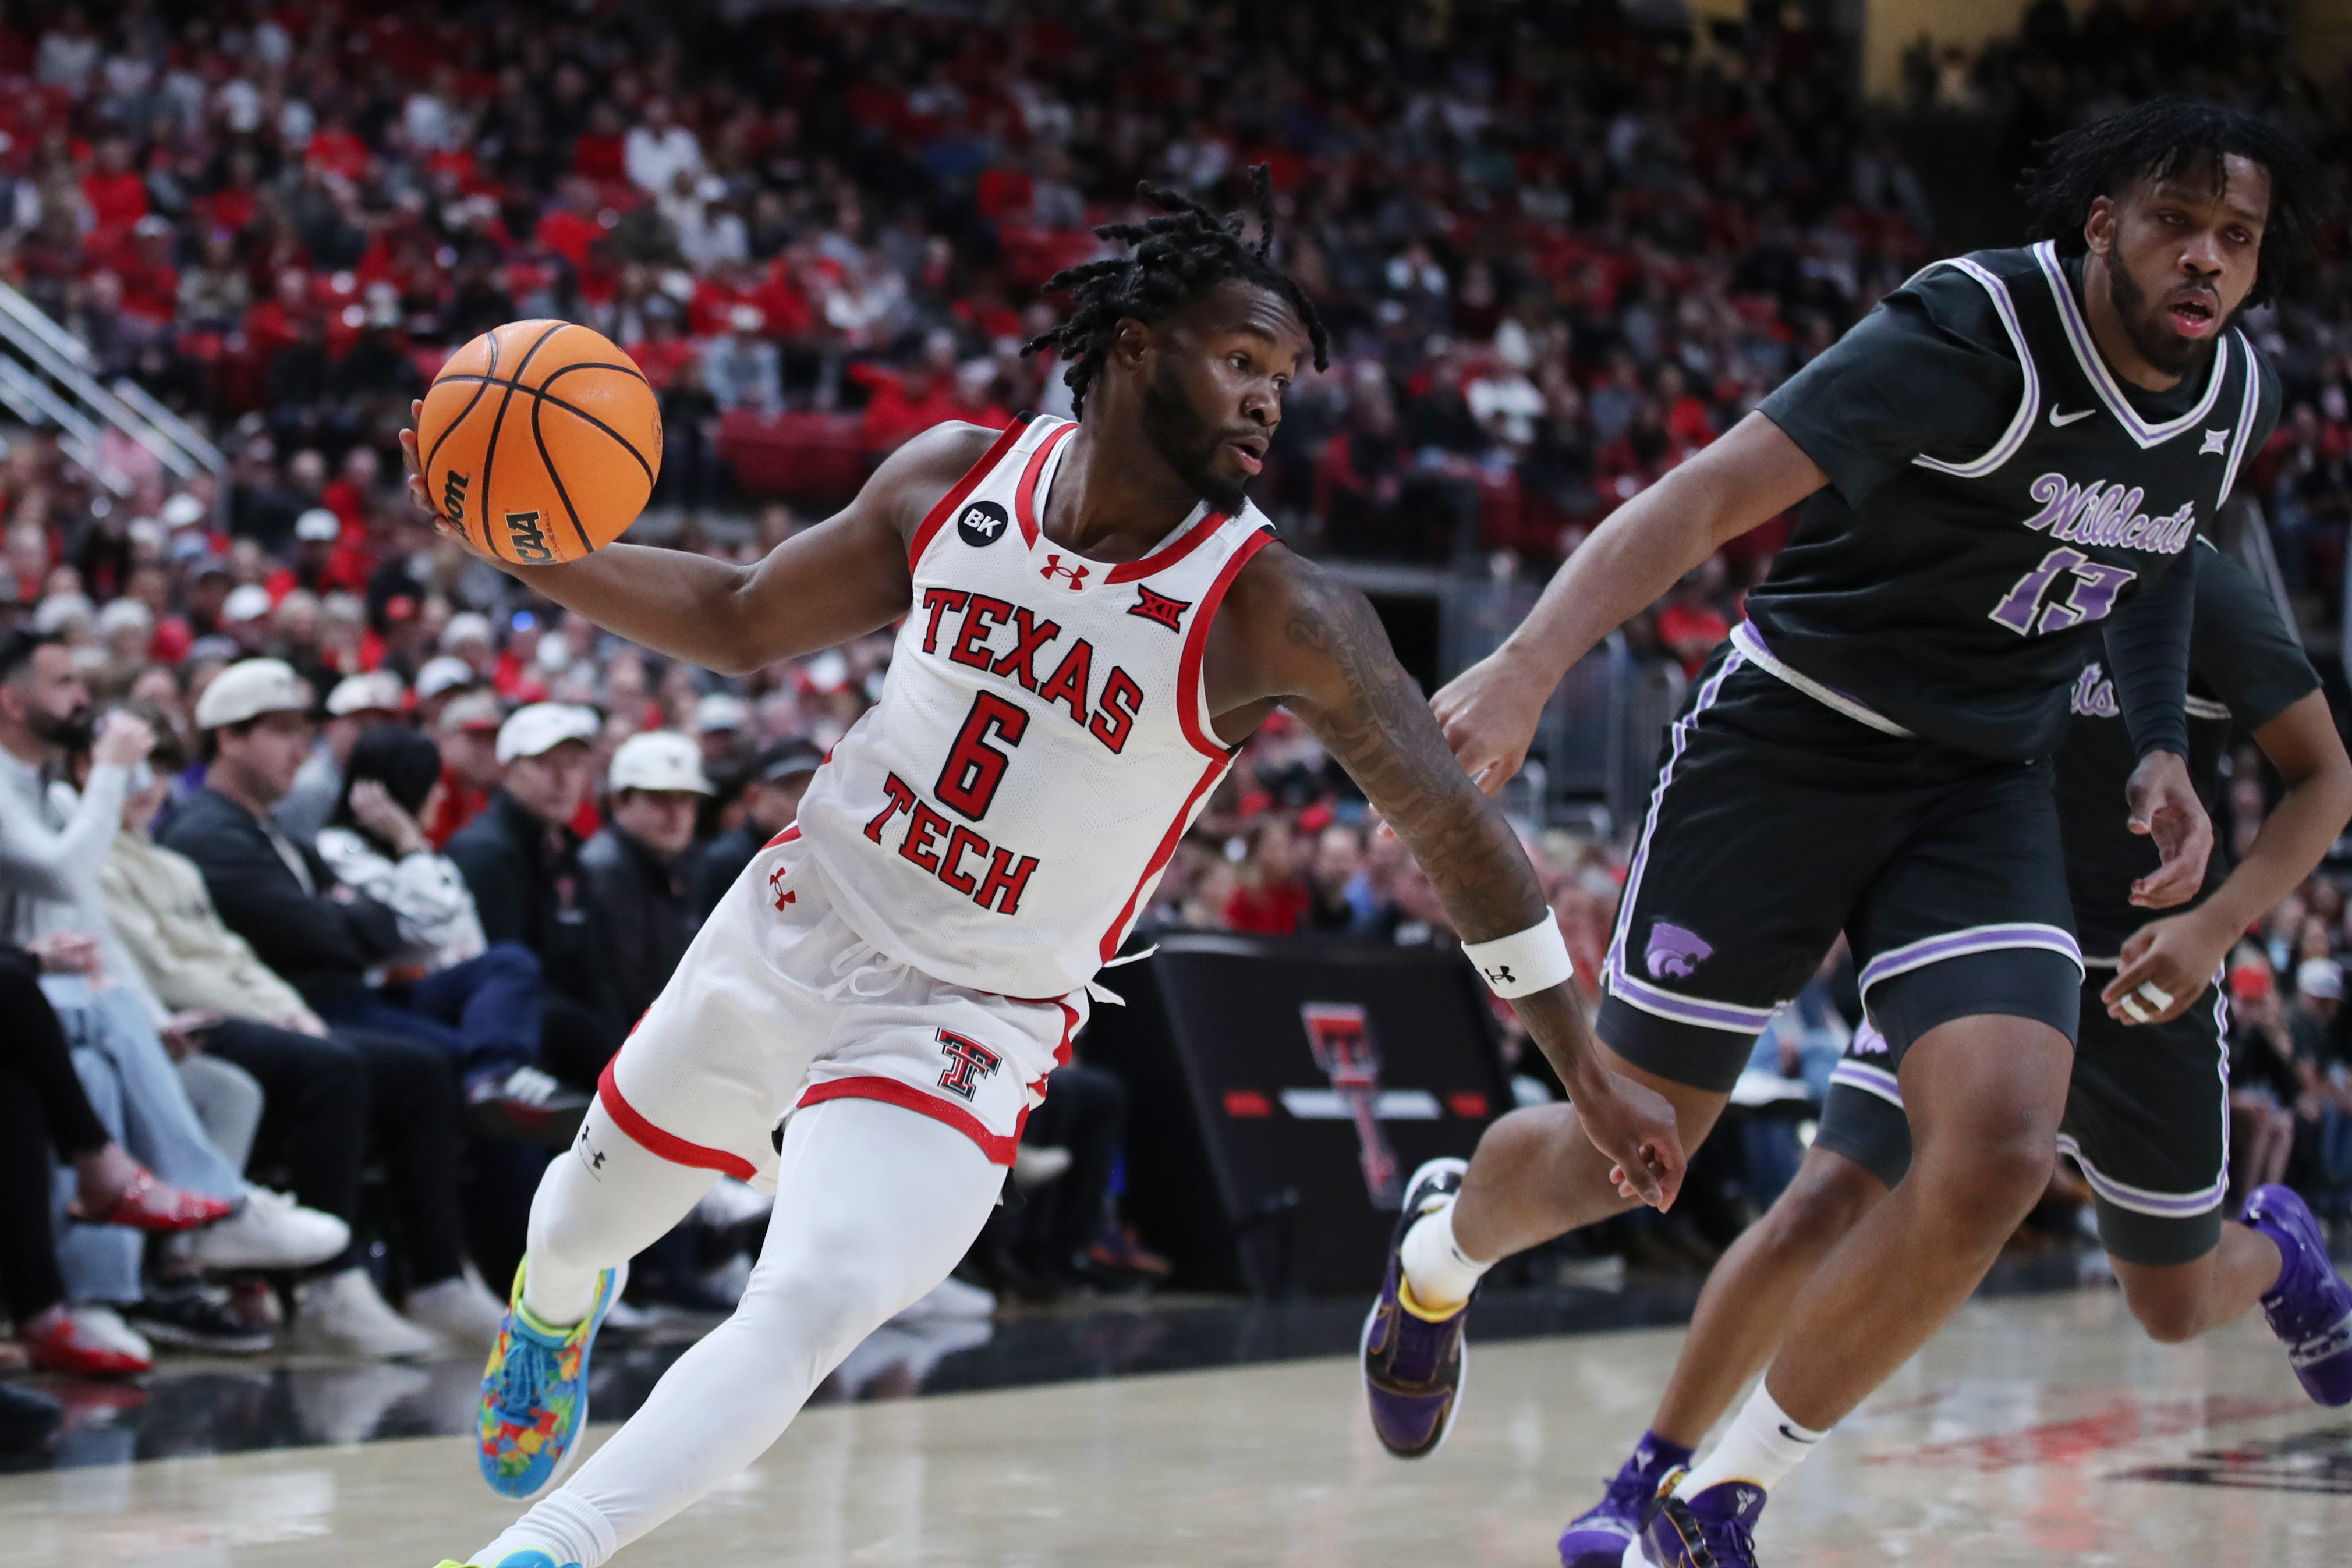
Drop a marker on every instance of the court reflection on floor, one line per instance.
(2041, 1431)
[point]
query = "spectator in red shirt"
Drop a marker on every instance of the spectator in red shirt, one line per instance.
(662, 351)
(116, 193)
(1270, 898)
(1689, 623)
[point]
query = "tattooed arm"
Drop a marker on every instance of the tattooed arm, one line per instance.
(1292, 633)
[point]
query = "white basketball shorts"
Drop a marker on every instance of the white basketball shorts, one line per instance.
(779, 1004)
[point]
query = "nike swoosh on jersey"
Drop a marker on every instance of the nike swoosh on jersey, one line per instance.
(2059, 420)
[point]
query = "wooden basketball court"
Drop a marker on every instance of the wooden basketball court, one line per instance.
(2035, 1431)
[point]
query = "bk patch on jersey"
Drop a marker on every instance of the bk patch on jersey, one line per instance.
(982, 523)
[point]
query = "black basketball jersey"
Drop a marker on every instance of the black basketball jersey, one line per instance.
(2245, 668)
(1997, 492)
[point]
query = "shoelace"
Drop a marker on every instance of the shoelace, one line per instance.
(522, 1381)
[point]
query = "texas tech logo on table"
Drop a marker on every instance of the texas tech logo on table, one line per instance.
(1000, 817)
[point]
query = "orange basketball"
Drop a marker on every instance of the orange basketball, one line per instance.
(539, 440)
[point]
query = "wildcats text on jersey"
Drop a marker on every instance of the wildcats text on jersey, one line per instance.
(2108, 513)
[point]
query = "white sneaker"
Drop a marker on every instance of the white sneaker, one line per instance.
(105, 1325)
(269, 1230)
(951, 1298)
(459, 1310)
(731, 1202)
(1033, 1166)
(342, 1315)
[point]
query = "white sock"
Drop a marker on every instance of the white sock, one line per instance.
(1441, 1274)
(564, 1527)
(1762, 1446)
(599, 1203)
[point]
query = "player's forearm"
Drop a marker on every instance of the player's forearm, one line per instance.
(2148, 657)
(1754, 472)
(679, 604)
(2297, 835)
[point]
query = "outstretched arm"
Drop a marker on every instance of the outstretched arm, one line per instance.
(824, 586)
(2179, 955)
(1755, 473)
(1293, 632)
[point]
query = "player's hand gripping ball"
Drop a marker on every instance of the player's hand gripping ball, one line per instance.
(539, 441)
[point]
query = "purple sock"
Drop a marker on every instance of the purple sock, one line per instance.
(1655, 1456)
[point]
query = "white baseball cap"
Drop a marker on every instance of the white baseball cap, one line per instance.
(2320, 977)
(467, 626)
(529, 731)
(443, 672)
(181, 510)
(658, 760)
(250, 602)
(318, 526)
(377, 691)
(720, 710)
(250, 688)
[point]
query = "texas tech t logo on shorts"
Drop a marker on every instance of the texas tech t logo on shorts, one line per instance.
(968, 1062)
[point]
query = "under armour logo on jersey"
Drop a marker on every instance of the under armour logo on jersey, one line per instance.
(968, 1061)
(2217, 444)
(1160, 610)
(776, 886)
(1053, 568)
(982, 523)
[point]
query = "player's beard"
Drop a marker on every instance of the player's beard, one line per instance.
(1186, 444)
(2144, 324)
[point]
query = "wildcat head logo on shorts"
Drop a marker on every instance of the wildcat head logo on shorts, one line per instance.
(968, 1062)
(1675, 951)
(982, 523)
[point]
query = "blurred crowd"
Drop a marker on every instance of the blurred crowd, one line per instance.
(333, 865)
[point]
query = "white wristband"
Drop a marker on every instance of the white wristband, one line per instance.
(1524, 962)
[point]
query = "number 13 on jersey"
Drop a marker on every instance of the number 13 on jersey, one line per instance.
(2032, 607)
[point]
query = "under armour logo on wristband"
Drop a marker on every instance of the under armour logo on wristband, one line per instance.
(1500, 975)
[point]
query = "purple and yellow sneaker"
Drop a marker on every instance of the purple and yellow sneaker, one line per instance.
(535, 1391)
(1597, 1537)
(1717, 1529)
(2310, 1308)
(1413, 1360)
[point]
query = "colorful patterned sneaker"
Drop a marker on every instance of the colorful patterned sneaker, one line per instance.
(1717, 1529)
(514, 1560)
(2310, 1308)
(1413, 1362)
(1598, 1538)
(535, 1393)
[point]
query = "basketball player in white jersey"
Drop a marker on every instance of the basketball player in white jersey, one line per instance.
(1091, 619)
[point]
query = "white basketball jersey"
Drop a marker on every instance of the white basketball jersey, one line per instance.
(999, 818)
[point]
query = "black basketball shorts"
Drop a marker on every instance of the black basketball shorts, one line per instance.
(1782, 817)
(2148, 1118)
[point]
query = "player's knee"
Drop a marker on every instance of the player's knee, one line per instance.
(1988, 1177)
(2168, 1302)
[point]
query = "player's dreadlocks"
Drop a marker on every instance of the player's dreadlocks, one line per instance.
(1178, 258)
(2166, 138)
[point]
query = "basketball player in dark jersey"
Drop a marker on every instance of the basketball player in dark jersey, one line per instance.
(2149, 1114)
(2014, 453)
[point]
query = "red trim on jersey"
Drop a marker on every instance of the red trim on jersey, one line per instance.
(1161, 857)
(1069, 1027)
(1196, 646)
(1192, 539)
(1024, 494)
(667, 1146)
(787, 836)
(893, 1091)
(938, 515)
